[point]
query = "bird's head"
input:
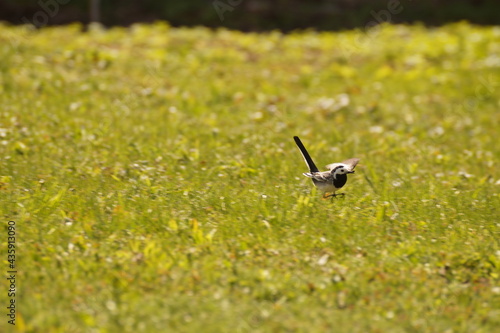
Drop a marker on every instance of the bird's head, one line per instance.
(342, 169)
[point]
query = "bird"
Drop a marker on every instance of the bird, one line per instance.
(327, 181)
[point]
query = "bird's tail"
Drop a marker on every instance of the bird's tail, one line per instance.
(305, 154)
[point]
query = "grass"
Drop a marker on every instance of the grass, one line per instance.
(155, 185)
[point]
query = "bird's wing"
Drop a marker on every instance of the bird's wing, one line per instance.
(312, 167)
(332, 166)
(350, 164)
(320, 176)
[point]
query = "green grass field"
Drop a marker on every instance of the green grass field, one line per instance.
(155, 185)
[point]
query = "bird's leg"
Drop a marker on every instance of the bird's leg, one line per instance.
(333, 195)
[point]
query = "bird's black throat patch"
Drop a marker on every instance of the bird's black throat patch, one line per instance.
(339, 181)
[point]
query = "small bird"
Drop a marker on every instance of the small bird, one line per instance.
(327, 181)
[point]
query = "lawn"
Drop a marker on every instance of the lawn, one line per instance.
(155, 186)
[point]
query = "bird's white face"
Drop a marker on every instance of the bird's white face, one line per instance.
(341, 170)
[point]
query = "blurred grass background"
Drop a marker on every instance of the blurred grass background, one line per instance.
(155, 184)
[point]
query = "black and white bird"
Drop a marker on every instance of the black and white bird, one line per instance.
(327, 181)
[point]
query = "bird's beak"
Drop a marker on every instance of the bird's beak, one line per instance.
(352, 171)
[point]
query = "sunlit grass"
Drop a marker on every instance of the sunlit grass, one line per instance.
(155, 184)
